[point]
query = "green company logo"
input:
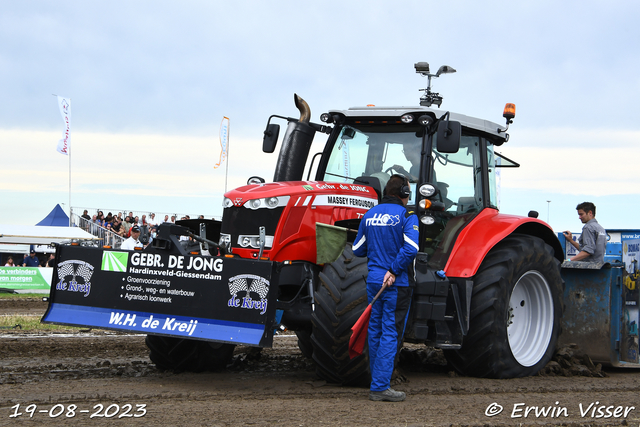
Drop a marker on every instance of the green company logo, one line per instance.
(115, 261)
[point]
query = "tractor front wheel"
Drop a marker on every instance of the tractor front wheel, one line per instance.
(340, 300)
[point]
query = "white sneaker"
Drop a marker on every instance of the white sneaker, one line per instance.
(389, 395)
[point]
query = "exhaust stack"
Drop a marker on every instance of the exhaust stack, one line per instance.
(295, 145)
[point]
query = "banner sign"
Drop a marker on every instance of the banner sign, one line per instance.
(224, 141)
(16, 278)
(198, 297)
(629, 337)
(65, 110)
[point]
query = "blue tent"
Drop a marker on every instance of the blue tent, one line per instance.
(57, 218)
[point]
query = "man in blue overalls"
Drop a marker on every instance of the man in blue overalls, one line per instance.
(388, 236)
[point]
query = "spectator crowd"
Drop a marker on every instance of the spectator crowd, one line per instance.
(113, 229)
(121, 224)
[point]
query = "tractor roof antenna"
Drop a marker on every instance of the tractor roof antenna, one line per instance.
(431, 98)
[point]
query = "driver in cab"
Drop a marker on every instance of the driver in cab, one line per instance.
(411, 151)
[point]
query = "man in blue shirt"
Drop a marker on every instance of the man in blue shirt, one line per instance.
(388, 236)
(31, 260)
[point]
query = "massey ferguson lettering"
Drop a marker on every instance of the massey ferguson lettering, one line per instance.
(351, 201)
(347, 201)
(338, 200)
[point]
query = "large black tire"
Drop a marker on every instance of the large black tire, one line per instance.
(304, 343)
(516, 311)
(178, 354)
(340, 300)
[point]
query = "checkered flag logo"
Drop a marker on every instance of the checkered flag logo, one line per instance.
(249, 283)
(260, 286)
(66, 269)
(74, 269)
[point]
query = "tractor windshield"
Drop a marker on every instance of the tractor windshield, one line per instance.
(375, 152)
(378, 152)
(372, 153)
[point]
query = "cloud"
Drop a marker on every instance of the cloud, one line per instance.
(150, 81)
(573, 161)
(107, 168)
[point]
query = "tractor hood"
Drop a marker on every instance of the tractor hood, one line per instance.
(283, 215)
(277, 194)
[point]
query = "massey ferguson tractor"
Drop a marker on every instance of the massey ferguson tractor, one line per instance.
(488, 289)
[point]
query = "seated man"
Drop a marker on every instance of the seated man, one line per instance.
(382, 176)
(411, 151)
(443, 188)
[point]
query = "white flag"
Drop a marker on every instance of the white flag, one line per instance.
(224, 140)
(65, 110)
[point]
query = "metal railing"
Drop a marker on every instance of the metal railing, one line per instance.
(159, 216)
(107, 237)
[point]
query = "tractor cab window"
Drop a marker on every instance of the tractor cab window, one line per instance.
(361, 154)
(458, 177)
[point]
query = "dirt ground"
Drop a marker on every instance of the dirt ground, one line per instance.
(91, 378)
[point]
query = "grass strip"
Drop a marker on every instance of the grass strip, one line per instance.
(10, 296)
(31, 324)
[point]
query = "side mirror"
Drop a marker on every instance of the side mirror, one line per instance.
(449, 136)
(255, 180)
(270, 137)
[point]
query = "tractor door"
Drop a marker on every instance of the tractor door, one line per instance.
(466, 183)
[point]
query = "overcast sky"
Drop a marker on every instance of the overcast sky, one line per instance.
(150, 82)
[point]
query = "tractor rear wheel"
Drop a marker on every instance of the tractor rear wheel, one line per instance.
(339, 301)
(178, 354)
(516, 311)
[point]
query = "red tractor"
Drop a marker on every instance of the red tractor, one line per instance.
(488, 289)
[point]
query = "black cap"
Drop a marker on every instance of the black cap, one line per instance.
(135, 229)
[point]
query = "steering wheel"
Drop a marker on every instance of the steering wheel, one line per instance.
(391, 171)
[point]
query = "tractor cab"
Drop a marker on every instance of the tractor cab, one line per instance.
(448, 158)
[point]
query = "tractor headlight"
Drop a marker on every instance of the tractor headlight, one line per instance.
(326, 117)
(407, 118)
(272, 202)
(227, 203)
(427, 219)
(425, 120)
(427, 190)
(268, 202)
(425, 203)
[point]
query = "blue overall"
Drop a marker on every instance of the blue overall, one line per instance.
(388, 236)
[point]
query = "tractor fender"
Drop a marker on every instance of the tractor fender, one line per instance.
(487, 229)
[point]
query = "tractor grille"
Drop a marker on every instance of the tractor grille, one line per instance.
(240, 221)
